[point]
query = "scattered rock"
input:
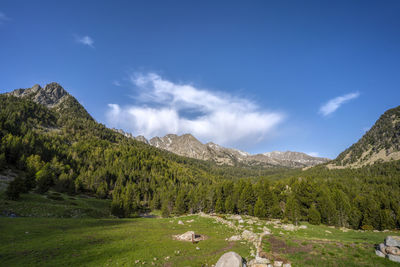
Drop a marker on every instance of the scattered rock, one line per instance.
(289, 227)
(137, 261)
(303, 227)
(197, 248)
(167, 258)
(390, 249)
(241, 221)
(181, 223)
(278, 263)
(234, 238)
(230, 259)
(286, 265)
(327, 231)
(189, 236)
(235, 217)
(190, 221)
(249, 236)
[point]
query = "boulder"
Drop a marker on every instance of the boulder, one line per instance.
(393, 251)
(392, 241)
(393, 258)
(288, 227)
(382, 248)
(278, 263)
(230, 259)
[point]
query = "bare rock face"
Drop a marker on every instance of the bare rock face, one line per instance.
(51, 95)
(230, 259)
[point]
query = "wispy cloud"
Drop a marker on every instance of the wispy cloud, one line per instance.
(116, 83)
(164, 107)
(3, 18)
(85, 40)
(335, 103)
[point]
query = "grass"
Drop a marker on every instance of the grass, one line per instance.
(60, 230)
(325, 246)
(53, 204)
(111, 242)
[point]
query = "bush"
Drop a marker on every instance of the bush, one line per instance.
(15, 188)
(367, 227)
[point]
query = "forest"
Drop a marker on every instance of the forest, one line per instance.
(68, 151)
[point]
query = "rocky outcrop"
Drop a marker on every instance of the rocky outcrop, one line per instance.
(51, 95)
(230, 259)
(389, 249)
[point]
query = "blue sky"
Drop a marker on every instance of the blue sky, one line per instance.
(306, 76)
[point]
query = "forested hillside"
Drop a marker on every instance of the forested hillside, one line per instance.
(64, 149)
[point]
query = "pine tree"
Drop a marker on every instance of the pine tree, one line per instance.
(180, 206)
(292, 209)
(314, 217)
(219, 206)
(229, 205)
(259, 209)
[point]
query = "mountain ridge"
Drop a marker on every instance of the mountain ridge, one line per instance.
(379, 144)
(187, 145)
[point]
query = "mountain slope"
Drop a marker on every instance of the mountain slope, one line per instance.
(380, 144)
(188, 146)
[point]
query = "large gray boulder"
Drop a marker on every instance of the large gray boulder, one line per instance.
(392, 241)
(230, 259)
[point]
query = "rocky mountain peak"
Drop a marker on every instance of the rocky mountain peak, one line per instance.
(51, 95)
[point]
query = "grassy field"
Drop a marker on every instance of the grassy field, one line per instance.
(111, 242)
(61, 230)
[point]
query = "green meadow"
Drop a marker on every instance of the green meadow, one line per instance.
(60, 230)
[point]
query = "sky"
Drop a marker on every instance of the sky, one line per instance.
(309, 76)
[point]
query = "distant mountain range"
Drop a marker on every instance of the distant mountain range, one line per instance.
(187, 145)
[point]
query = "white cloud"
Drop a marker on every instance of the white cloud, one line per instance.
(164, 107)
(335, 103)
(3, 18)
(85, 40)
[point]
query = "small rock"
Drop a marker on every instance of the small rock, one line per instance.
(288, 227)
(241, 221)
(155, 259)
(190, 221)
(167, 258)
(137, 261)
(235, 238)
(303, 227)
(230, 259)
(278, 263)
(197, 248)
(181, 223)
(329, 232)
(286, 265)
(262, 260)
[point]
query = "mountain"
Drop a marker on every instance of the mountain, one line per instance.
(53, 96)
(380, 144)
(187, 145)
